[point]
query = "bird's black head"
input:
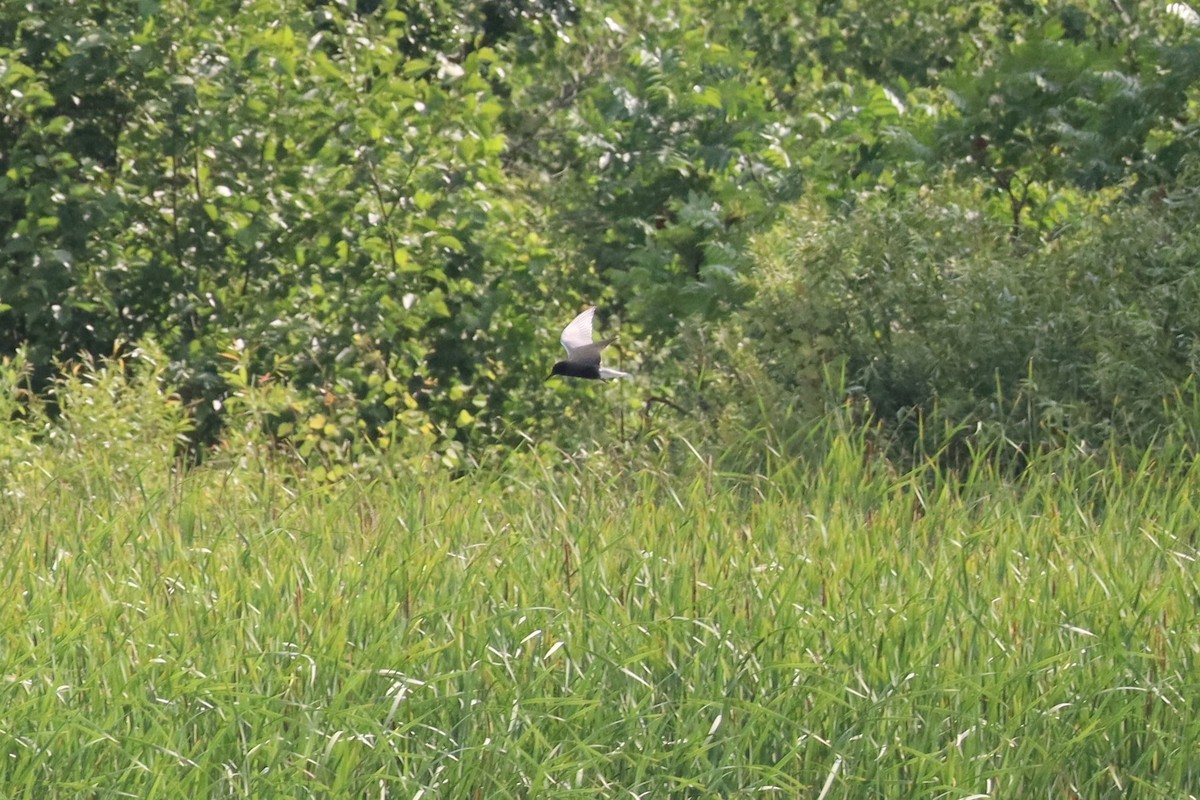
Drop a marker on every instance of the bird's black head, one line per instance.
(569, 369)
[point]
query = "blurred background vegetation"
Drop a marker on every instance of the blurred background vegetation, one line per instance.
(355, 229)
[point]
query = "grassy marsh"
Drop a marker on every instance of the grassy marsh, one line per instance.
(566, 627)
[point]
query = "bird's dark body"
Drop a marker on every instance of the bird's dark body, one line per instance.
(570, 369)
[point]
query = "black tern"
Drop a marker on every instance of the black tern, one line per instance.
(583, 355)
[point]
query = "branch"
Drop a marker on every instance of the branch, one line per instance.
(1125, 18)
(654, 398)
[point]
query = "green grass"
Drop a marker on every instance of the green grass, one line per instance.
(565, 627)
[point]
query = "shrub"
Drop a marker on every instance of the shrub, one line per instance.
(938, 317)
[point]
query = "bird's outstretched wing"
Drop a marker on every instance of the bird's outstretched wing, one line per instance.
(577, 339)
(579, 332)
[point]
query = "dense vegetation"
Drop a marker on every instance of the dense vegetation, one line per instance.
(898, 503)
(611, 624)
(375, 216)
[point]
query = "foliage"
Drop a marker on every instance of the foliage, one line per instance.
(286, 185)
(293, 511)
(65, 94)
(932, 312)
(610, 623)
(362, 223)
(665, 152)
(1073, 102)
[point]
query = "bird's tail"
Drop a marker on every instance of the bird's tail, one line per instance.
(609, 374)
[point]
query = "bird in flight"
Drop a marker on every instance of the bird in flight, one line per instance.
(583, 355)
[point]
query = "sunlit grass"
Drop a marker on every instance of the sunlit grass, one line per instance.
(569, 627)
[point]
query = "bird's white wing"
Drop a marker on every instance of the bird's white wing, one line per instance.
(577, 337)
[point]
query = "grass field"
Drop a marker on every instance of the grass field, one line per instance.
(564, 627)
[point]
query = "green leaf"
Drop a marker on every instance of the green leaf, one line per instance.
(450, 242)
(707, 96)
(416, 66)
